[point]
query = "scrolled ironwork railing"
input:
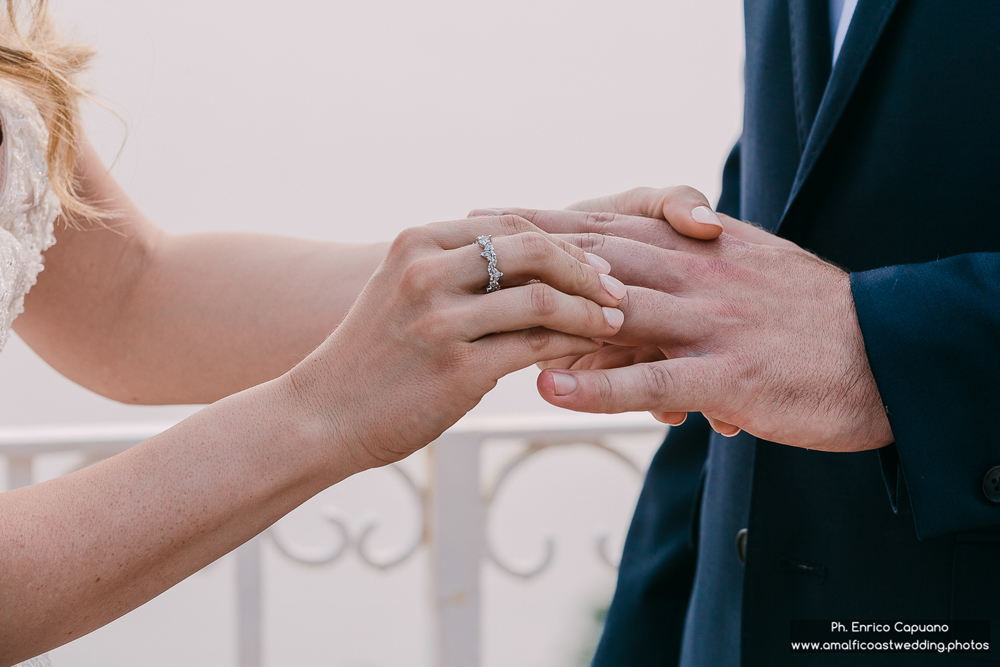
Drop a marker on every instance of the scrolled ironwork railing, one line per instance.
(453, 509)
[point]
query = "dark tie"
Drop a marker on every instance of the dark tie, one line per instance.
(812, 51)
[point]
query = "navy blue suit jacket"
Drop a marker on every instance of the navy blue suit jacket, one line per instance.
(889, 167)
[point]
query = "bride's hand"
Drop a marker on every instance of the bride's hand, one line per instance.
(424, 342)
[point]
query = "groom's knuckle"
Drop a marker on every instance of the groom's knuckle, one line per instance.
(592, 242)
(743, 367)
(537, 339)
(658, 381)
(732, 246)
(606, 393)
(598, 220)
(725, 313)
(712, 269)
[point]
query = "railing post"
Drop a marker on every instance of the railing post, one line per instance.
(18, 471)
(248, 604)
(457, 532)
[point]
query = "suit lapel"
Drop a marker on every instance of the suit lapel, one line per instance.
(869, 20)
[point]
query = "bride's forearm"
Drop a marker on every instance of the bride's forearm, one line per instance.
(81, 550)
(141, 316)
(219, 312)
(419, 349)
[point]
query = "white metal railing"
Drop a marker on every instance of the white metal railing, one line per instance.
(453, 507)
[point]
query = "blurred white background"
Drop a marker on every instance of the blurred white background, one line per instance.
(350, 121)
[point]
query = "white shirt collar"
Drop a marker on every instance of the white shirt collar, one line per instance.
(841, 13)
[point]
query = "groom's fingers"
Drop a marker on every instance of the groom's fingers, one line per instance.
(630, 225)
(670, 418)
(723, 428)
(686, 209)
(687, 384)
(673, 323)
(637, 263)
(609, 356)
(647, 230)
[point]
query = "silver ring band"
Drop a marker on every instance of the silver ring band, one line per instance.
(486, 244)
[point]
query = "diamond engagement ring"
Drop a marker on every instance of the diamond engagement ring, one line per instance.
(486, 244)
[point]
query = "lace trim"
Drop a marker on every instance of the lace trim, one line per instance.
(40, 661)
(28, 206)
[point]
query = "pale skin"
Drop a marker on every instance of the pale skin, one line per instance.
(722, 318)
(146, 317)
(206, 315)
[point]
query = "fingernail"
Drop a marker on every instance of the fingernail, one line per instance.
(662, 418)
(614, 317)
(479, 212)
(597, 262)
(563, 384)
(614, 286)
(727, 435)
(706, 216)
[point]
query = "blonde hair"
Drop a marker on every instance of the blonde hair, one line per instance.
(44, 66)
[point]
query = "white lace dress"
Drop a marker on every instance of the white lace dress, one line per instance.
(40, 661)
(28, 209)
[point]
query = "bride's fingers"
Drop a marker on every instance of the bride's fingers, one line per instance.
(609, 356)
(618, 356)
(453, 234)
(512, 351)
(564, 363)
(530, 256)
(536, 305)
(459, 233)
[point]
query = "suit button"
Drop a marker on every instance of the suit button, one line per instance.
(741, 546)
(991, 484)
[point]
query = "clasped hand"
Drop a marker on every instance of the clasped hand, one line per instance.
(749, 329)
(425, 342)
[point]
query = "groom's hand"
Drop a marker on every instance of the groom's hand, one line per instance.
(639, 214)
(762, 336)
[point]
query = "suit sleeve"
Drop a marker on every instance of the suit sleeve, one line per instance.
(932, 335)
